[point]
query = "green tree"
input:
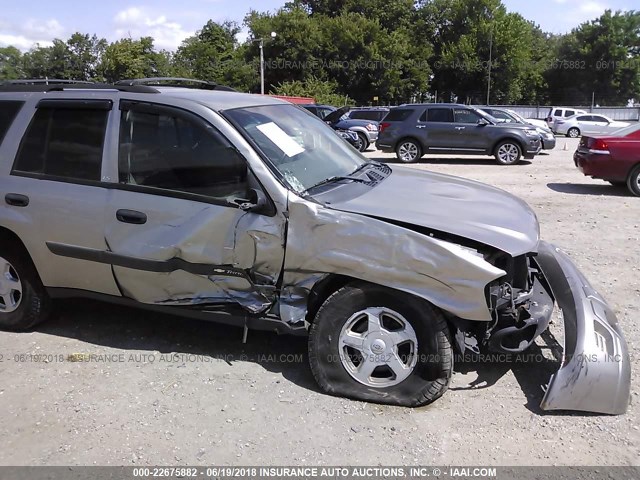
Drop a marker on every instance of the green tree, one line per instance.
(599, 58)
(466, 33)
(323, 91)
(213, 54)
(129, 58)
(84, 56)
(10, 63)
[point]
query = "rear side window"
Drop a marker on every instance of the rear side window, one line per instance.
(8, 111)
(557, 113)
(64, 142)
(398, 115)
(463, 115)
(439, 115)
(569, 113)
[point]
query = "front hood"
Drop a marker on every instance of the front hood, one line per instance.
(450, 204)
(355, 123)
(336, 114)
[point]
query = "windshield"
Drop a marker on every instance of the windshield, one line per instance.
(298, 145)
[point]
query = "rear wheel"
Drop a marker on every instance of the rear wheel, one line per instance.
(375, 344)
(508, 153)
(23, 300)
(363, 142)
(633, 181)
(408, 151)
(573, 132)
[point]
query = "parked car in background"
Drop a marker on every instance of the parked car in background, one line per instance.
(614, 158)
(368, 113)
(557, 113)
(547, 137)
(415, 129)
(367, 130)
(587, 124)
(348, 136)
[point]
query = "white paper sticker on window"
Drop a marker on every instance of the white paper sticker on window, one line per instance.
(284, 142)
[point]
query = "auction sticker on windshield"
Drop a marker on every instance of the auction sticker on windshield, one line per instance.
(279, 137)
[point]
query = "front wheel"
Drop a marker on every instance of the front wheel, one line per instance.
(375, 344)
(633, 182)
(508, 153)
(573, 132)
(408, 151)
(363, 142)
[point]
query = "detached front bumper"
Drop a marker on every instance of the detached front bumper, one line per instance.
(595, 375)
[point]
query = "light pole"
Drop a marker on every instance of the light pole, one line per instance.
(489, 77)
(261, 40)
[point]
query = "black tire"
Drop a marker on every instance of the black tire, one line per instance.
(34, 304)
(363, 142)
(507, 152)
(633, 181)
(573, 132)
(431, 375)
(408, 150)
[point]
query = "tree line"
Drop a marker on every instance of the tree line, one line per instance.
(374, 52)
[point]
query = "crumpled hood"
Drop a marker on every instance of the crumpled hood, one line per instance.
(451, 204)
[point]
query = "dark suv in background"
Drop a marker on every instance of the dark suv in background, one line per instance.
(415, 129)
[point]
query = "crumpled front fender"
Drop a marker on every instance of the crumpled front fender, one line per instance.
(595, 375)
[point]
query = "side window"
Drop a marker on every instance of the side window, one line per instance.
(398, 115)
(596, 118)
(64, 142)
(569, 113)
(585, 118)
(440, 115)
(174, 150)
(557, 113)
(501, 116)
(464, 115)
(8, 111)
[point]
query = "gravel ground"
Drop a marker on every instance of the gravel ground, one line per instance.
(177, 391)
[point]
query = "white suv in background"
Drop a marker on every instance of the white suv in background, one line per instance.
(556, 113)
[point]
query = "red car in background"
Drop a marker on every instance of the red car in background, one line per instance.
(614, 158)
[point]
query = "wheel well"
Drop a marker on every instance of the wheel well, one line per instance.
(323, 290)
(409, 137)
(504, 139)
(633, 169)
(7, 235)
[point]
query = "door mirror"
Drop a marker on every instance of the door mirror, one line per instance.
(256, 202)
(482, 122)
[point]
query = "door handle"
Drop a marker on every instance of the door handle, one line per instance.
(16, 200)
(131, 216)
(460, 128)
(421, 126)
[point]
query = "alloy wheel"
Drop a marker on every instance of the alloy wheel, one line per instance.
(10, 287)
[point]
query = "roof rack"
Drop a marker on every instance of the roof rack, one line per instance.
(56, 85)
(44, 81)
(175, 82)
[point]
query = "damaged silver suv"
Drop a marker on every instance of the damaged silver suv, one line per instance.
(249, 211)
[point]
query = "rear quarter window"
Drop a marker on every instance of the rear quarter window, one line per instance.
(8, 111)
(398, 115)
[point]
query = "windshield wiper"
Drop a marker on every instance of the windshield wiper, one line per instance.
(335, 179)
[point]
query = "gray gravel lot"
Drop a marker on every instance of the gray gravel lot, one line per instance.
(178, 391)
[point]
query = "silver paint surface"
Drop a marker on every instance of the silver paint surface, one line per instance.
(597, 376)
(450, 204)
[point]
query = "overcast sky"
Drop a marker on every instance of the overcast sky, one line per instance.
(23, 24)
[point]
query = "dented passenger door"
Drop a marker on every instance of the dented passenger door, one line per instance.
(188, 223)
